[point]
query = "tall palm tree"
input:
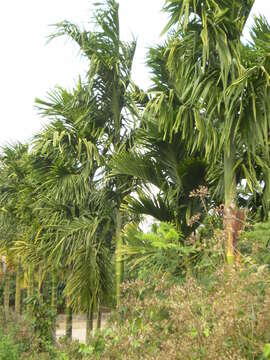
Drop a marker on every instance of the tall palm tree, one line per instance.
(221, 85)
(73, 203)
(15, 213)
(107, 95)
(164, 168)
(69, 215)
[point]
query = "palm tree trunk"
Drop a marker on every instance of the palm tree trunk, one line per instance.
(54, 291)
(54, 301)
(30, 284)
(116, 110)
(89, 324)
(6, 293)
(1, 265)
(18, 289)
(68, 320)
(118, 257)
(99, 318)
(230, 201)
(40, 280)
(266, 195)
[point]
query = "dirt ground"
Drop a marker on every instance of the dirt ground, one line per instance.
(78, 326)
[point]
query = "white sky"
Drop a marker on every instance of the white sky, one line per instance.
(29, 67)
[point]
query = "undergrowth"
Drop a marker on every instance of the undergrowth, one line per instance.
(211, 312)
(225, 316)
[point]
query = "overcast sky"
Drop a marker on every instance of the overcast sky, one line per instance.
(29, 67)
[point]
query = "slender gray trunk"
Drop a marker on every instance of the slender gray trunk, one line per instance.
(18, 290)
(118, 257)
(230, 201)
(68, 320)
(54, 301)
(99, 319)
(6, 293)
(89, 324)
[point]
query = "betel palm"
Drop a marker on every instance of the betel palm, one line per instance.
(75, 207)
(73, 204)
(164, 169)
(75, 226)
(19, 225)
(221, 85)
(165, 175)
(16, 213)
(109, 76)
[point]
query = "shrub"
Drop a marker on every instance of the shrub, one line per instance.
(70, 349)
(223, 317)
(8, 350)
(26, 338)
(42, 321)
(161, 250)
(255, 243)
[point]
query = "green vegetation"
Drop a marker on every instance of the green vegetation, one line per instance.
(221, 316)
(191, 154)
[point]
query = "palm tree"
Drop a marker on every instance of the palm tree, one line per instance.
(71, 203)
(164, 169)
(221, 86)
(109, 104)
(15, 211)
(165, 175)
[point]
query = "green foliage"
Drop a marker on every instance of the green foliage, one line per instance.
(255, 243)
(8, 349)
(220, 87)
(17, 333)
(161, 250)
(165, 174)
(227, 317)
(43, 321)
(266, 351)
(69, 349)
(76, 202)
(205, 120)
(20, 338)
(96, 347)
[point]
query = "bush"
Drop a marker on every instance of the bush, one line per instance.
(225, 316)
(43, 320)
(8, 350)
(19, 329)
(21, 333)
(70, 349)
(255, 243)
(161, 250)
